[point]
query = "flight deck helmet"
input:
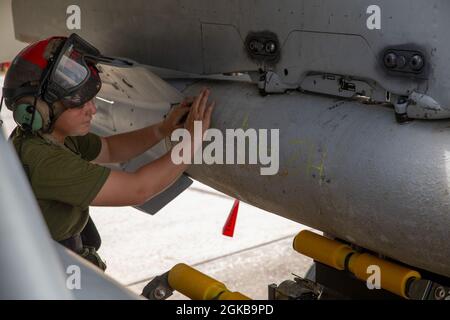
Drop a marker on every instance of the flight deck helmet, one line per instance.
(49, 77)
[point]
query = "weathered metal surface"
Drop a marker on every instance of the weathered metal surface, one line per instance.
(346, 168)
(9, 45)
(29, 266)
(32, 265)
(350, 39)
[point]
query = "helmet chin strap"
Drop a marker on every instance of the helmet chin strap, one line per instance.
(34, 109)
(55, 111)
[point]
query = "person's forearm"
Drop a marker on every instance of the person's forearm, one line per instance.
(159, 175)
(126, 146)
(131, 189)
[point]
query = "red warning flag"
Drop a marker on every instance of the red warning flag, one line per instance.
(228, 228)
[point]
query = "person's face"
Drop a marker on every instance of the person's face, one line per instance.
(76, 121)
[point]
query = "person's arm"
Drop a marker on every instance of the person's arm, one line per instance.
(124, 189)
(124, 147)
(128, 189)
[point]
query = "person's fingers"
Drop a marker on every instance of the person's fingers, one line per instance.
(207, 116)
(193, 109)
(194, 114)
(187, 102)
(196, 104)
(189, 124)
(203, 104)
(191, 115)
(179, 117)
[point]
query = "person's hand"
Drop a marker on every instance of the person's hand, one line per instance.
(176, 118)
(200, 111)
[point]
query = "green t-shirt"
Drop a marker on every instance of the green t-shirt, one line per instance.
(63, 180)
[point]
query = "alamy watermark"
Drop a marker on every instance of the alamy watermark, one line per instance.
(73, 21)
(228, 149)
(374, 20)
(374, 280)
(73, 281)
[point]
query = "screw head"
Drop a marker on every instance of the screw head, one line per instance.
(417, 62)
(439, 293)
(390, 60)
(271, 47)
(159, 293)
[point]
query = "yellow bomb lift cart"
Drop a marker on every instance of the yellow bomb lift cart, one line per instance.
(340, 271)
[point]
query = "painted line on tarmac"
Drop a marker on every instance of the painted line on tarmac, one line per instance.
(291, 236)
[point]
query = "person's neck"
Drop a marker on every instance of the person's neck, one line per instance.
(59, 136)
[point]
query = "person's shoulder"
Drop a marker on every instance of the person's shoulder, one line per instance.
(33, 149)
(35, 142)
(22, 141)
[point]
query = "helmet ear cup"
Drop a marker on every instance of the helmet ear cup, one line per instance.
(23, 116)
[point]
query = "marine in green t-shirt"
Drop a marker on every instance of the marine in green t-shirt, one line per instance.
(62, 177)
(50, 88)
